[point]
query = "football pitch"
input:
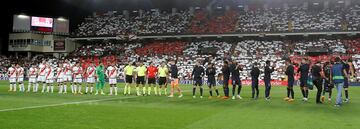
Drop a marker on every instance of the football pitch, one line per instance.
(59, 111)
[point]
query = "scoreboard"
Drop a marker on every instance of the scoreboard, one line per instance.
(42, 24)
(23, 23)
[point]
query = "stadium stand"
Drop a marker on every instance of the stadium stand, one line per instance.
(188, 53)
(292, 19)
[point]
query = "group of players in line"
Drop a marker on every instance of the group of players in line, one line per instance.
(335, 73)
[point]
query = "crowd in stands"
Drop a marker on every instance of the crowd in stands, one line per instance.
(150, 22)
(292, 19)
(161, 48)
(352, 46)
(203, 23)
(333, 46)
(248, 52)
(187, 53)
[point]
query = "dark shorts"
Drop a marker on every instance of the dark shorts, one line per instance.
(128, 79)
(151, 81)
(291, 82)
(162, 80)
(198, 82)
(255, 83)
(140, 80)
(226, 81)
(328, 86)
(236, 81)
(303, 82)
(346, 82)
(212, 82)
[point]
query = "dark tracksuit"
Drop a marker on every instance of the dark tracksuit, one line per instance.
(304, 73)
(210, 73)
(235, 76)
(290, 74)
(267, 80)
(327, 85)
(197, 73)
(255, 72)
(226, 75)
(346, 79)
(317, 81)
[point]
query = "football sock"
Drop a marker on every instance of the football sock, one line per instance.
(43, 88)
(115, 90)
(144, 90)
(75, 88)
(239, 90)
(79, 89)
(303, 92)
(129, 89)
(288, 92)
(72, 89)
(346, 94)
(125, 89)
(52, 89)
(149, 90)
(111, 90)
(60, 89)
(137, 91)
(155, 90)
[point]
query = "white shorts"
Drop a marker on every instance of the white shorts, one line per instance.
(12, 80)
(90, 80)
(41, 79)
(60, 80)
(49, 80)
(78, 80)
(32, 80)
(112, 80)
(20, 79)
(67, 78)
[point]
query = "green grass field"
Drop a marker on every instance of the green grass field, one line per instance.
(54, 111)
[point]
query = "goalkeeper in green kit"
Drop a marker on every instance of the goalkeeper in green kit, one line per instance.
(100, 79)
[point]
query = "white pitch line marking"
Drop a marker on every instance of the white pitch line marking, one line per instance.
(69, 103)
(62, 104)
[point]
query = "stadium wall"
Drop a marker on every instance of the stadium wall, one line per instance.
(40, 43)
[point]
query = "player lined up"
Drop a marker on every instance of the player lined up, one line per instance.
(74, 75)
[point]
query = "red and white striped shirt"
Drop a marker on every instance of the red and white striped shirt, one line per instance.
(90, 71)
